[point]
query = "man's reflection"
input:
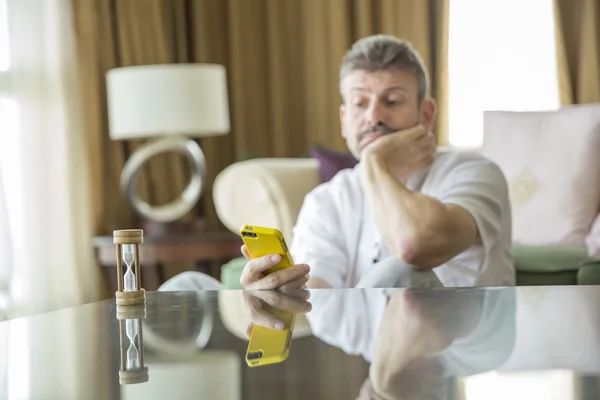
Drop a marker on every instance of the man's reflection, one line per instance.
(421, 379)
(417, 339)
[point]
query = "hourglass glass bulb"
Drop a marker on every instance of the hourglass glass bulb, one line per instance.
(131, 327)
(128, 258)
(128, 253)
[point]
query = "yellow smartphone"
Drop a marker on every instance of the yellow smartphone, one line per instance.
(262, 241)
(268, 346)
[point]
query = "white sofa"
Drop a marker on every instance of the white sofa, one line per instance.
(270, 191)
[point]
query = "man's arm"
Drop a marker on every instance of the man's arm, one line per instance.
(418, 229)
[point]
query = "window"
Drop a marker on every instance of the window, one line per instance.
(502, 56)
(4, 56)
(14, 348)
(10, 156)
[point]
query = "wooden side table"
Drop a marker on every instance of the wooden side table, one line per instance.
(160, 249)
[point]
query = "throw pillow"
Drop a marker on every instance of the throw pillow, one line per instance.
(551, 163)
(331, 162)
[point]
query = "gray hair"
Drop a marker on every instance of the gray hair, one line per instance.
(385, 52)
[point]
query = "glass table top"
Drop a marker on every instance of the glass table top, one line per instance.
(473, 343)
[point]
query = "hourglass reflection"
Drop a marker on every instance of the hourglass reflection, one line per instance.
(129, 285)
(132, 369)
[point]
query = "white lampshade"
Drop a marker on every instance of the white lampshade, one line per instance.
(170, 99)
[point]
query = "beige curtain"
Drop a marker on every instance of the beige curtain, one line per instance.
(47, 193)
(282, 59)
(578, 49)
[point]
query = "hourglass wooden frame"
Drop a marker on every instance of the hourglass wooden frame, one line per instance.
(133, 237)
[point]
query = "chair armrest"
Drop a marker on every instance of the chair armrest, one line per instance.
(265, 192)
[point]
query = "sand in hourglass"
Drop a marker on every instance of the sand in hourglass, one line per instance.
(132, 352)
(129, 278)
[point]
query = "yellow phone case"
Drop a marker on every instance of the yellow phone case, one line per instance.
(262, 241)
(268, 346)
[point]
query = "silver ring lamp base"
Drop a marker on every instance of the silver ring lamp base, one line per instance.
(190, 195)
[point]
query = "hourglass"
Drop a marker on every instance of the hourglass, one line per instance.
(129, 285)
(132, 369)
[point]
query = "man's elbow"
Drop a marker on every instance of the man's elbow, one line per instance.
(415, 253)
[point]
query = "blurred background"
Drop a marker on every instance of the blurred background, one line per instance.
(65, 146)
(61, 166)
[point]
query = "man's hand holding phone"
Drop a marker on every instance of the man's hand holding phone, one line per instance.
(255, 278)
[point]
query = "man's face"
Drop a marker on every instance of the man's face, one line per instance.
(380, 102)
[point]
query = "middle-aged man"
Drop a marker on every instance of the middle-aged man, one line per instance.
(406, 215)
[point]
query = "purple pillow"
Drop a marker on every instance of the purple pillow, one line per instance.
(331, 161)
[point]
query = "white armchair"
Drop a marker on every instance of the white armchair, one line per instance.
(265, 192)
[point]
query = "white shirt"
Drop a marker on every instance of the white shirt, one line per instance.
(335, 233)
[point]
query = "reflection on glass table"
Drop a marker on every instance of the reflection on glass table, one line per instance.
(517, 343)
(131, 344)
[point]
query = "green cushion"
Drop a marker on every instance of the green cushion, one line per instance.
(232, 272)
(547, 279)
(589, 273)
(544, 259)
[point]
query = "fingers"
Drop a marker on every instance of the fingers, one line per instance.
(426, 139)
(426, 147)
(284, 302)
(258, 309)
(263, 306)
(301, 293)
(427, 158)
(417, 132)
(249, 330)
(262, 318)
(282, 277)
(258, 315)
(255, 267)
(245, 252)
(423, 148)
(296, 283)
(275, 279)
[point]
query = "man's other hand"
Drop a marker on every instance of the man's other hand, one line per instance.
(403, 153)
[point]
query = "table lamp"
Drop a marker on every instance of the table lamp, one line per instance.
(170, 103)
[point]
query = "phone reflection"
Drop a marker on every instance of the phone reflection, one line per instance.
(273, 317)
(132, 369)
(418, 340)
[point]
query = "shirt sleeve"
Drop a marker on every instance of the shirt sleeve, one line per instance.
(479, 186)
(318, 239)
